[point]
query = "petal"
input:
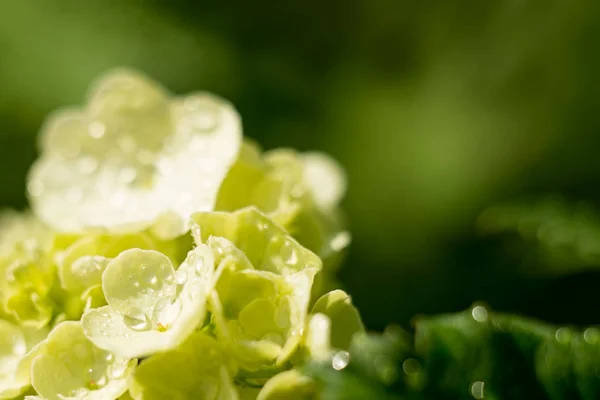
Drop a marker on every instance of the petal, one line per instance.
(318, 337)
(136, 280)
(345, 319)
(84, 273)
(29, 308)
(148, 322)
(106, 328)
(132, 156)
(240, 183)
(325, 179)
(267, 245)
(197, 369)
(288, 385)
(72, 366)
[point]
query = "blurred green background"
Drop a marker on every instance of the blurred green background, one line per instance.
(436, 108)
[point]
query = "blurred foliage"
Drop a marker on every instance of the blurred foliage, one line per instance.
(556, 237)
(474, 354)
(436, 108)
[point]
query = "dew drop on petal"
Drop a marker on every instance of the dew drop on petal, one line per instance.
(79, 392)
(181, 276)
(196, 231)
(117, 370)
(136, 319)
(166, 273)
(199, 264)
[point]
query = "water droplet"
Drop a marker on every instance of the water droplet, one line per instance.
(340, 360)
(563, 335)
(136, 319)
(181, 276)
(79, 392)
(290, 254)
(166, 273)
(196, 232)
(117, 370)
(479, 314)
(203, 115)
(199, 264)
(166, 311)
(477, 389)
(101, 382)
(591, 335)
(35, 188)
(19, 347)
(109, 357)
(96, 130)
(262, 227)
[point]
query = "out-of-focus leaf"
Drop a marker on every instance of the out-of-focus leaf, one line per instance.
(562, 237)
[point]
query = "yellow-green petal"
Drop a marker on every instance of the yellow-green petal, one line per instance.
(72, 367)
(151, 307)
(289, 385)
(197, 369)
(345, 319)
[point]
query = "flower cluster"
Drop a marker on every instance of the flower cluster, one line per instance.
(167, 257)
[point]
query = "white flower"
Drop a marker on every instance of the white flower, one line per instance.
(133, 157)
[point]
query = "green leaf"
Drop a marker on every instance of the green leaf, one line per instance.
(561, 236)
